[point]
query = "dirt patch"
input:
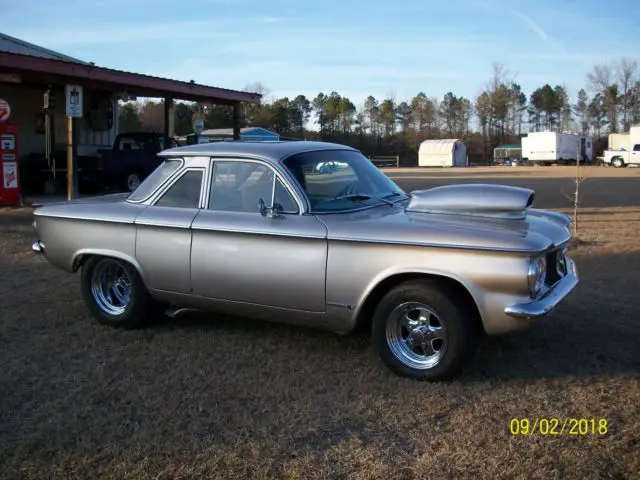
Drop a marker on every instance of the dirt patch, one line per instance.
(220, 397)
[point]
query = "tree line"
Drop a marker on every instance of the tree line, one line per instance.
(609, 102)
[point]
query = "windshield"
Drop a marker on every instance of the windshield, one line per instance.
(155, 179)
(339, 180)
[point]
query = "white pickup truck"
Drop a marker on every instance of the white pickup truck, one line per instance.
(622, 158)
(625, 155)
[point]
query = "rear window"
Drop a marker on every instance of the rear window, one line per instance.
(155, 179)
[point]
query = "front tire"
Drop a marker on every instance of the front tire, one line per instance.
(115, 294)
(421, 333)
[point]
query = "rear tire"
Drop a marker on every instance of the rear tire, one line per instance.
(617, 162)
(421, 333)
(115, 294)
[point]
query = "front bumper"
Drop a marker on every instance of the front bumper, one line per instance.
(37, 247)
(550, 299)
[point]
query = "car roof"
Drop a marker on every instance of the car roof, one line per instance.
(268, 150)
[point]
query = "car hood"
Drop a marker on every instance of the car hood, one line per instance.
(504, 221)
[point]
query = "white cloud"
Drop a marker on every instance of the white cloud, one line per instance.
(119, 34)
(533, 26)
(144, 33)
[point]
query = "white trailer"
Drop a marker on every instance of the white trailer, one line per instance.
(554, 147)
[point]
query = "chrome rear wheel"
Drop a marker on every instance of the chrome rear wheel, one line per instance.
(111, 287)
(116, 294)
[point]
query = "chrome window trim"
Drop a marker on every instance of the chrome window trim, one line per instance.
(149, 198)
(276, 173)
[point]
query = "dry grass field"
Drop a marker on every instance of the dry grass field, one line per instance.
(231, 398)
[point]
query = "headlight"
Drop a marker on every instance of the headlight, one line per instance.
(536, 275)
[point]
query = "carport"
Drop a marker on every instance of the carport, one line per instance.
(29, 73)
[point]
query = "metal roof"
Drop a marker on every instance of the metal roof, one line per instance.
(269, 151)
(229, 131)
(11, 44)
(439, 145)
(134, 83)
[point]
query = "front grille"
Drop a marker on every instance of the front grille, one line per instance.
(556, 266)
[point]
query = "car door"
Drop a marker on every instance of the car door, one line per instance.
(163, 239)
(635, 154)
(241, 254)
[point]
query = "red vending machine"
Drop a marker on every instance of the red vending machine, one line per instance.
(10, 187)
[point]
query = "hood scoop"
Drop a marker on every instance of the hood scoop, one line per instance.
(483, 200)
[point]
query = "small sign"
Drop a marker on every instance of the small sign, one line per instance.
(5, 110)
(7, 142)
(10, 175)
(8, 157)
(73, 94)
(197, 122)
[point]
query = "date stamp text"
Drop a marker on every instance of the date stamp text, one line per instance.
(559, 426)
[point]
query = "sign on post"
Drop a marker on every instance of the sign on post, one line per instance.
(197, 122)
(73, 97)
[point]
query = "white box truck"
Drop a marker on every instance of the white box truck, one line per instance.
(553, 147)
(624, 153)
(618, 141)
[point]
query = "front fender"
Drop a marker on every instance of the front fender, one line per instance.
(391, 272)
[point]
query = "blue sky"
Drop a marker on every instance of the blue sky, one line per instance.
(380, 47)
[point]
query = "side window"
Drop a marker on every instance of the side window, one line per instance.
(185, 192)
(284, 199)
(239, 187)
(636, 147)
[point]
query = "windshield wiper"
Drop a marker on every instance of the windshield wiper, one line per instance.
(365, 196)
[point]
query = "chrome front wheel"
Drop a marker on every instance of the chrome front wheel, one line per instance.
(425, 330)
(416, 335)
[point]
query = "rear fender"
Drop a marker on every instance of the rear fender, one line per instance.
(81, 255)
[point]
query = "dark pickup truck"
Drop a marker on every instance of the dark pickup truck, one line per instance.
(132, 158)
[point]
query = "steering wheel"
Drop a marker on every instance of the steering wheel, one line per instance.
(350, 189)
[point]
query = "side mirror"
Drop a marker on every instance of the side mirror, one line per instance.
(274, 211)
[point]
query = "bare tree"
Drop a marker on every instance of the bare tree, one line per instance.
(500, 76)
(626, 73)
(600, 78)
(257, 87)
(579, 177)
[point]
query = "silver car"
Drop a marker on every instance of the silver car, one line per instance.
(312, 233)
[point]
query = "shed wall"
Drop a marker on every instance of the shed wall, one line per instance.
(26, 103)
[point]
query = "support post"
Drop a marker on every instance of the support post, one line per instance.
(74, 154)
(70, 168)
(236, 121)
(168, 121)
